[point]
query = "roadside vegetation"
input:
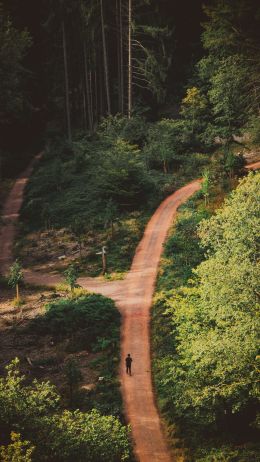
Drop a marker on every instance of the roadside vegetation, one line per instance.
(68, 354)
(100, 191)
(205, 364)
(127, 115)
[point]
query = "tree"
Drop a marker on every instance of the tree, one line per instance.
(73, 376)
(193, 106)
(66, 78)
(15, 277)
(205, 187)
(105, 58)
(214, 373)
(164, 143)
(33, 410)
(71, 275)
(21, 405)
(130, 70)
(228, 95)
(17, 450)
(78, 228)
(122, 177)
(229, 73)
(111, 214)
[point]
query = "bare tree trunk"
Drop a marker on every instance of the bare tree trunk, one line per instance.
(105, 58)
(17, 292)
(87, 87)
(118, 56)
(66, 81)
(95, 104)
(91, 98)
(96, 97)
(101, 91)
(129, 58)
(84, 108)
(121, 55)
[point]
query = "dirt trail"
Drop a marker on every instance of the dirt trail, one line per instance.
(10, 215)
(133, 297)
(254, 166)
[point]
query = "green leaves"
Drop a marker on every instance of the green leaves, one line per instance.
(95, 314)
(71, 276)
(16, 274)
(55, 436)
(17, 450)
(215, 321)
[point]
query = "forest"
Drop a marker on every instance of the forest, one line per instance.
(140, 208)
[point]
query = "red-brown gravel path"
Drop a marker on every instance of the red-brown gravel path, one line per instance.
(133, 297)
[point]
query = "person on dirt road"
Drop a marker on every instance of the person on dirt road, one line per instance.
(128, 363)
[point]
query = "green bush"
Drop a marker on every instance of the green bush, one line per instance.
(182, 250)
(57, 436)
(212, 377)
(17, 450)
(132, 130)
(95, 314)
(227, 454)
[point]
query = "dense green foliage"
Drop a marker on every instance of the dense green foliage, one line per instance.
(20, 451)
(182, 250)
(34, 411)
(97, 75)
(206, 372)
(92, 317)
(92, 323)
(227, 76)
(102, 189)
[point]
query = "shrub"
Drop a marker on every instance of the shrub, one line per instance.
(33, 411)
(95, 314)
(17, 450)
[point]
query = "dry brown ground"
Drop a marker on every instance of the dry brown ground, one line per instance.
(41, 356)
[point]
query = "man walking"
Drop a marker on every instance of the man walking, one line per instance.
(128, 363)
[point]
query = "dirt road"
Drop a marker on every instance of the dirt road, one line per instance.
(133, 297)
(10, 215)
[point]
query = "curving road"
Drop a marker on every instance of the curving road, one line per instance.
(133, 297)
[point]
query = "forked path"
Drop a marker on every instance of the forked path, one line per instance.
(133, 297)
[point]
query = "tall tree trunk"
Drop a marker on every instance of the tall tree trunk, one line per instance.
(84, 108)
(66, 81)
(91, 97)
(101, 90)
(105, 59)
(95, 84)
(130, 71)
(121, 55)
(96, 97)
(118, 56)
(87, 87)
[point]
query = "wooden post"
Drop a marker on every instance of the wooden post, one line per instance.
(104, 260)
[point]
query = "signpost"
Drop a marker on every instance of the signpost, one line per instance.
(104, 259)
